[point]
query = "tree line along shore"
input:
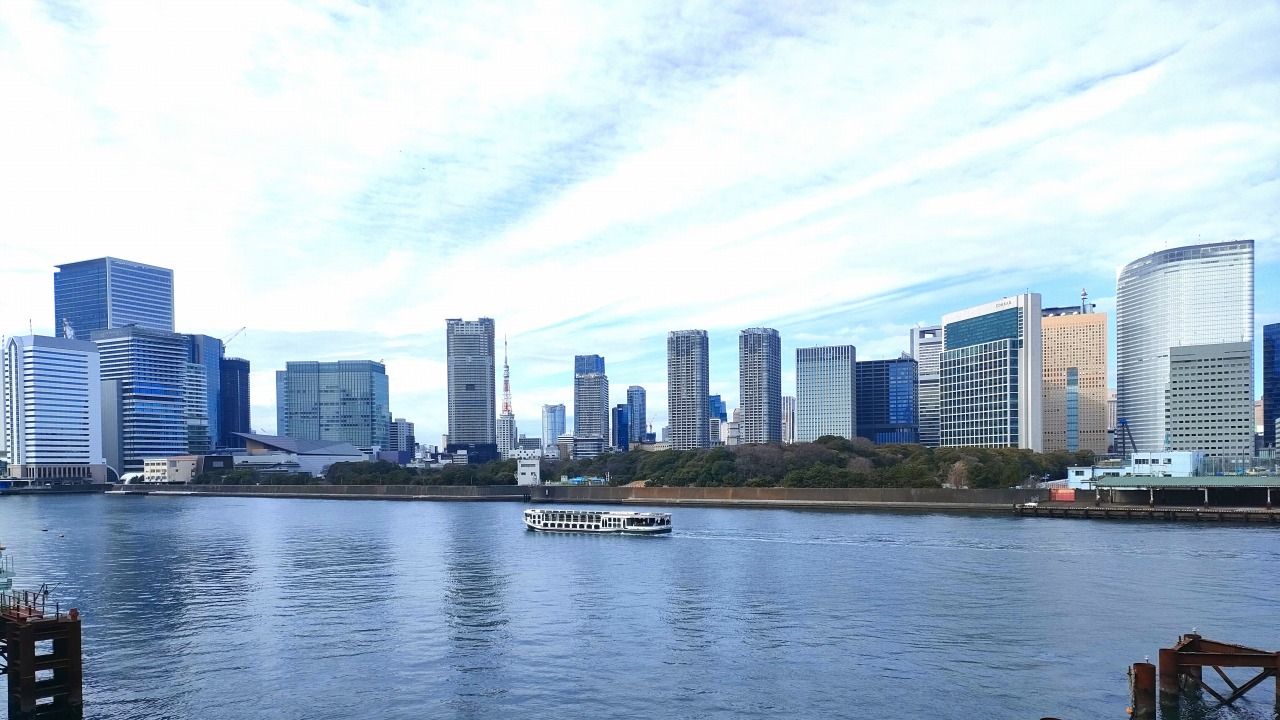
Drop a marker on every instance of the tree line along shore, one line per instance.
(829, 462)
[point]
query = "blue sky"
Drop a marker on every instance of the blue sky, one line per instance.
(341, 177)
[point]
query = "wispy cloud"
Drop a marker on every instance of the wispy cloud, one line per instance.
(341, 178)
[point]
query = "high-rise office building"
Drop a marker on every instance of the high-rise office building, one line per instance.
(1194, 295)
(717, 408)
(233, 402)
(195, 399)
(826, 393)
(1270, 382)
(1209, 404)
(788, 419)
(637, 415)
(111, 293)
(402, 437)
(552, 425)
(760, 385)
(887, 402)
(590, 398)
(991, 375)
(52, 418)
(344, 401)
(472, 388)
(926, 348)
(688, 378)
(144, 376)
(207, 352)
(621, 426)
(1074, 392)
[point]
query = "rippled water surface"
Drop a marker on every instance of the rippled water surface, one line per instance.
(265, 608)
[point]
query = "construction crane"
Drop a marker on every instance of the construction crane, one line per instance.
(232, 336)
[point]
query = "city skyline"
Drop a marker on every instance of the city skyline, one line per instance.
(1094, 146)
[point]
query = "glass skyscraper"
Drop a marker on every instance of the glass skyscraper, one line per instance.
(926, 348)
(1270, 382)
(590, 398)
(552, 425)
(233, 402)
(1194, 295)
(760, 385)
(637, 415)
(110, 293)
(52, 418)
(621, 425)
(144, 375)
(345, 401)
(207, 352)
(992, 375)
(887, 401)
(473, 413)
(826, 393)
(688, 379)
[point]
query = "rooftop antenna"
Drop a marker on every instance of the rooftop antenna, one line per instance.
(1084, 301)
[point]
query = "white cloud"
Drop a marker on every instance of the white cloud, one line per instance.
(342, 178)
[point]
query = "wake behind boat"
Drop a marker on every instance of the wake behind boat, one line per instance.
(597, 521)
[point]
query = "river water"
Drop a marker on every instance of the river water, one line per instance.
(271, 608)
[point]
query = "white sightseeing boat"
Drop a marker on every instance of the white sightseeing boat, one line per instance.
(597, 521)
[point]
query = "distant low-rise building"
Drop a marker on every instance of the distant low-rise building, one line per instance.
(529, 471)
(272, 454)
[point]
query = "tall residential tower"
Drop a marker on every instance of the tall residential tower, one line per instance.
(760, 385)
(688, 380)
(590, 398)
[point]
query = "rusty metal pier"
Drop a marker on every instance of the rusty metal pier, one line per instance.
(1181, 673)
(42, 657)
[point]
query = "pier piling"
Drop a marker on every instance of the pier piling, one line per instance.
(1142, 690)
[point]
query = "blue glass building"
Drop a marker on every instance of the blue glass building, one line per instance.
(345, 401)
(233, 402)
(206, 352)
(717, 409)
(621, 426)
(887, 400)
(587, 364)
(1270, 382)
(144, 412)
(111, 293)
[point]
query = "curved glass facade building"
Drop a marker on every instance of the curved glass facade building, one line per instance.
(1194, 295)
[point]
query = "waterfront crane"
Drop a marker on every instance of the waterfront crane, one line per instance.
(233, 335)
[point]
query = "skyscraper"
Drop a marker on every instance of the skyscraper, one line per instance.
(344, 401)
(926, 348)
(991, 375)
(111, 293)
(788, 419)
(717, 408)
(760, 384)
(826, 393)
(637, 414)
(1194, 295)
(207, 352)
(402, 436)
(688, 379)
(472, 396)
(621, 424)
(887, 401)
(233, 402)
(1075, 379)
(1209, 403)
(552, 425)
(1270, 382)
(590, 398)
(195, 398)
(144, 374)
(52, 418)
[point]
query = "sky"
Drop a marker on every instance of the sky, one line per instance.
(340, 177)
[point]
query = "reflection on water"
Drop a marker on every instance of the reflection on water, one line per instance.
(243, 607)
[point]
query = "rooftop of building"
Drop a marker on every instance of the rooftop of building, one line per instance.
(301, 447)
